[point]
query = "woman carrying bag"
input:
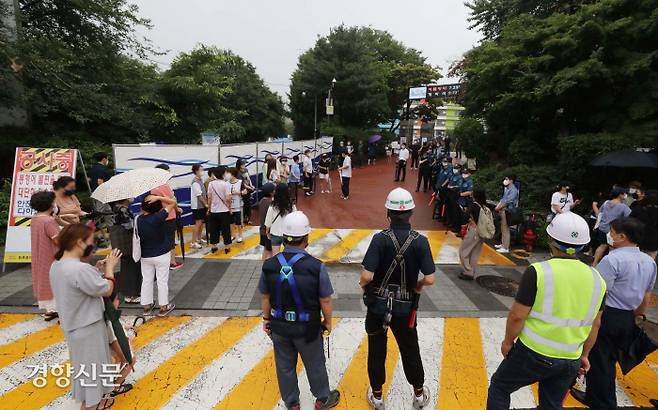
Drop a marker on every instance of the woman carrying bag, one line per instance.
(121, 237)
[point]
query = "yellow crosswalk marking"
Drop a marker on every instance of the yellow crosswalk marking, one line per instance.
(336, 252)
(27, 396)
(259, 389)
(640, 384)
(354, 384)
(318, 234)
(236, 248)
(489, 256)
(463, 378)
(157, 387)
(28, 345)
(7, 319)
(436, 239)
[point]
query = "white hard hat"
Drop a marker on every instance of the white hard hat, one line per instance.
(399, 200)
(296, 225)
(569, 228)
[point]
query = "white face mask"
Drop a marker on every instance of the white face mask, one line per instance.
(227, 177)
(465, 176)
(455, 171)
(506, 182)
(55, 210)
(632, 190)
(608, 238)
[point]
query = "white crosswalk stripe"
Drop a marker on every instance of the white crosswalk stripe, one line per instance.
(22, 329)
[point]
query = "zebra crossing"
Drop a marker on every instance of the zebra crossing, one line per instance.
(342, 246)
(188, 362)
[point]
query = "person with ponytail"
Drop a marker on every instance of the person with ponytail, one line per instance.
(79, 289)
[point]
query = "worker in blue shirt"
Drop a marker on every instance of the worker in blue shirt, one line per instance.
(441, 185)
(453, 211)
(466, 189)
(296, 301)
(630, 276)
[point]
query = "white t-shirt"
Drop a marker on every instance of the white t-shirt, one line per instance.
(307, 164)
(347, 172)
(196, 191)
(236, 200)
(273, 220)
(219, 192)
(404, 154)
(564, 202)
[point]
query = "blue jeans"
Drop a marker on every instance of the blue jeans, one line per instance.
(523, 367)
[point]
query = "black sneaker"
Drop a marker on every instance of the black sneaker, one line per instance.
(329, 402)
(579, 395)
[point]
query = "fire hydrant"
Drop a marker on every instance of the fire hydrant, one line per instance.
(529, 238)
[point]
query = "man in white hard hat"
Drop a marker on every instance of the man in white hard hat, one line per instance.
(553, 323)
(296, 302)
(391, 268)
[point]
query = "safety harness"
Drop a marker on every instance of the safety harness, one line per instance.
(286, 274)
(394, 299)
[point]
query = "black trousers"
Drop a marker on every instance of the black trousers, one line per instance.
(292, 187)
(424, 175)
(308, 182)
(407, 340)
(615, 334)
(453, 211)
(414, 161)
(345, 187)
(130, 277)
(219, 223)
(401, 170)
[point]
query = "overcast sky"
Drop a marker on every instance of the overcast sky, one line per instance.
(272, 34)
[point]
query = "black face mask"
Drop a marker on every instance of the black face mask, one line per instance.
(88, 250)
(69, 192)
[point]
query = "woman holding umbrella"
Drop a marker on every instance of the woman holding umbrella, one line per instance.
(121, 237)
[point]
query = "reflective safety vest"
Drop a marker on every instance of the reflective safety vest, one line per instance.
(569, 295)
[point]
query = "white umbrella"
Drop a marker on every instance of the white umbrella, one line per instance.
(131, 184)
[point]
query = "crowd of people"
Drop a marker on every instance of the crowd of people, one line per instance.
(296, 290)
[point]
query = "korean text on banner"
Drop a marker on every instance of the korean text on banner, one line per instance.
(35, 169)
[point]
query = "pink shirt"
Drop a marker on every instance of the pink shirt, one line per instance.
(43, 230)
(166, 191)
(219, 193)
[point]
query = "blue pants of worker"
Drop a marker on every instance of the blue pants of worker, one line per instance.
(285, 356)
(523, 367)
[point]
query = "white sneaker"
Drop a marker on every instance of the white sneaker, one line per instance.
(421, 401)
(195, 245)
(502, 250)
(498, 246)
(239, 238)
(377, 404)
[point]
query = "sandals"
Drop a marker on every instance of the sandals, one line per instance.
(166, 309)
(123, 388)
(103, 404)
(148, 310)
(50, 316)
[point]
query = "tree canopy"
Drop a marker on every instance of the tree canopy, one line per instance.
(86, 74)
(373, 73)
(548, 70)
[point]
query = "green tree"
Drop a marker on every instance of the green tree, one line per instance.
(212, 89)
(373, 72)
(576, 68)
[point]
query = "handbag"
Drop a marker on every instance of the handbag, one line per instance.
(137, 245)
(514, 216)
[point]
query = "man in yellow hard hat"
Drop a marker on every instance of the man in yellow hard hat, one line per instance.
(553, 323)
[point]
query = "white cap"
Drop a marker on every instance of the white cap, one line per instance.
(296, 225)
(569, 228)
(400, 200)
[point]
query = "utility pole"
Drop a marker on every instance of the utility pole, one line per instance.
(15, 113)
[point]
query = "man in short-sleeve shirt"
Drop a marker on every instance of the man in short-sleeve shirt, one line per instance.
(383, 311)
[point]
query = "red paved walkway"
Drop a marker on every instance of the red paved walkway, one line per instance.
(365, 207)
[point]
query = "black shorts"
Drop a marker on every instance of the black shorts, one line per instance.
(199, 214)
(170, 231)
(236, 218)
(265, 242)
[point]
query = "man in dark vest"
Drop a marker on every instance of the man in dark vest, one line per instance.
(296, 302)
(391, 292)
